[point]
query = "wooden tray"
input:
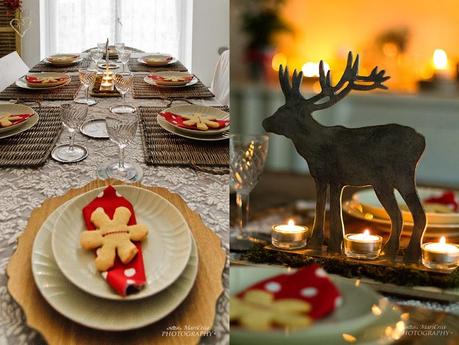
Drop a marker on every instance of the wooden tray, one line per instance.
(198, 310)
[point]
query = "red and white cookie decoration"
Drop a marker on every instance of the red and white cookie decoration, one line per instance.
(288, 300)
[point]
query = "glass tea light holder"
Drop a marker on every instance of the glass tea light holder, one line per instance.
(107, 83)
(440, 255)
(289, 236)
(362, 246)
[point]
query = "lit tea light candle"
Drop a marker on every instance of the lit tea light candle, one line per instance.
(107, 83)
(362, 246)
(289, 236)
(440, 255)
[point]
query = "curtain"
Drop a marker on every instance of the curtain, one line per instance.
(149, 25)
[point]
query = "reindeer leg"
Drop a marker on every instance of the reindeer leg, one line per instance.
(410, 195)
(336, 220)
(317, 237)
(386, 196)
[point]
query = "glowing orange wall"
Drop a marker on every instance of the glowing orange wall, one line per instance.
(328, 29)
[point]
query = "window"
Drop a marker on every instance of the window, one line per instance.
(149, 25)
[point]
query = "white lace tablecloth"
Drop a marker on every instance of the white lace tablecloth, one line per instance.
(22, 190)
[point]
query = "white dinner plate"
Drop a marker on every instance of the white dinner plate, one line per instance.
(22, 83)
(79, 59)
(433, 230)
(370, 203)
(15, 109)
(166, 249)
(165, 63)
(363, 314)
(152, 82)
(171, 129)
(191, 109)
(95, 312)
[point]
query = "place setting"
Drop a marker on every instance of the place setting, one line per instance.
(198, 133)
(156, 62)
(42, 86)
(149, 270)
(61, 63)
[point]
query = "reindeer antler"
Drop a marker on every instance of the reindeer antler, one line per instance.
(350, 76)
(293, 91)
(333, 94)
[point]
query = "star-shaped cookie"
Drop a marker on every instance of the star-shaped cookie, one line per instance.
(7, 120)
(202, 122)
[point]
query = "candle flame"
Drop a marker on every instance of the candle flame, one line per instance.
(440, 59)
(366, 232)
(442, 240)
(291, 222)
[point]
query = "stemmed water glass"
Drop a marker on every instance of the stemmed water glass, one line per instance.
(87, 78)
(247, 159)
(119, 47)
(124, 57)
(123, 83)
(121, 129)
(95, 55)
(72, 116)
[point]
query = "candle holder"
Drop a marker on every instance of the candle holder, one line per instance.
(107, 83)
(289, 236)
(440, 255)
(362, 246)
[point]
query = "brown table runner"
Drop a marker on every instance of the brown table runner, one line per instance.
(64, 93)
(163, 148)
(32, 147)
(135, 66)
(144, 90)
(45, 67)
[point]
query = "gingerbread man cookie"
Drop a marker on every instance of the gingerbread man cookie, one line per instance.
(8, 119)
(112, 236)
(201, 121)
(258, 311)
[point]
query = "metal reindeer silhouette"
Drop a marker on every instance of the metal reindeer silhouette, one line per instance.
(384, 156)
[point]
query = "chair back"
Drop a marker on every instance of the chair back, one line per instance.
(220, 85)
(11, 68)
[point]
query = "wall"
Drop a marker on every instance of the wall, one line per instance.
(210, 32)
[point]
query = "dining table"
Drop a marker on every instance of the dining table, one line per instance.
(24, 189)
(280, 195)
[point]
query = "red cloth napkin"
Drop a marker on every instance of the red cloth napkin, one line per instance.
(310, 284)
(448, 198)
(23, 117)
(177, 120)
(121, 276)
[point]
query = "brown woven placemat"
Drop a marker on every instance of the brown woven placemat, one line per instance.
(135, 66)
(45, 67)
(32, 147)
(163, 148)
(64, 93)
(144, 90)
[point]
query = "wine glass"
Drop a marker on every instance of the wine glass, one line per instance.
(124, 56)
(121, 129)
(87, 78)
(123, 83)
(72, 116)
(247, 159)
(119, 47)
(95, 55)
